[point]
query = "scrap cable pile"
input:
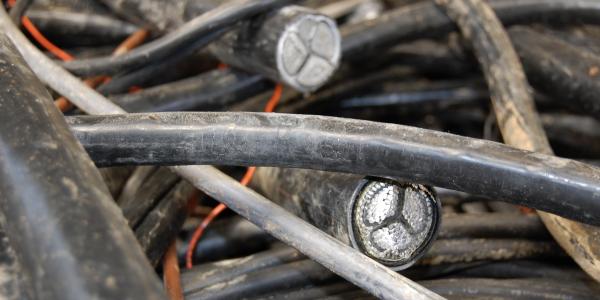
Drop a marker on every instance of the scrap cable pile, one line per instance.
(277, 149)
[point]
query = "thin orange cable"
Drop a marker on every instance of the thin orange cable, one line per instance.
(171, 273)
(43, 41)
(269, 107)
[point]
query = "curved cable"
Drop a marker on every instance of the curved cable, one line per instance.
(548, 183)
(271, 104)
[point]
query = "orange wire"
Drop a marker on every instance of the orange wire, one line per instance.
(171, 273)
(270, 107)
(43, 41)
(271, 104)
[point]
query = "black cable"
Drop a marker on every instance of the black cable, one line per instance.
(199, 31)
(149, 194)
(531, 288)
(560, 69)
(165, 70)
(424, 19)
(553, 184)
(428, 96)
(577, 135)
(58, 214)
(208, 91)
(294, 274)
(484, 288)
(452, 251)
(163, 223)
(133, 183)
(157, 15)
(58, 22)
(205, 275)
(309, 293)
(342, 88)
(524, 269)
(492, 225)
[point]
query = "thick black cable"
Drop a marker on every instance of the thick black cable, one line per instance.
(133, 183)
(161, 225)
(70, 237)
(201, 28)
(156, 15)
(294, 274)
(149, 194)
(524, 269)
(203, 276)
(526, 289)
(165, 70)
(492, 225)
(482, 288)
(57, 22)
(309, 293)
(443, 96)
(211, 90)
(449, 251)
(544, 182)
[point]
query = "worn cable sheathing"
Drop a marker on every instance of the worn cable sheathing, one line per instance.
(68, 234)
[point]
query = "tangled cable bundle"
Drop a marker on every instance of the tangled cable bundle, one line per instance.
(339, 149)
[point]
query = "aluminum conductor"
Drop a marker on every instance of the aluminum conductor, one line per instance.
(294, 45)
(394, 223)
(308, 51)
